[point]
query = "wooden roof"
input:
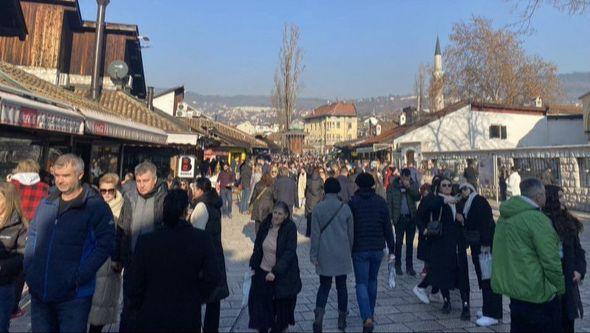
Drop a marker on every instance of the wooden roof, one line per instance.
(229, 134)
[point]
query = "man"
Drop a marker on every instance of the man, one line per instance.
(245, 180)
(526, 261)
(402, 196)
(70, 237)
(346, 186)
(547, 177)
(470, 174)
(128, 184)
(513, 183)
(31, 191)
(204, 167)
(142, 213)
(285, 189)
(226, 182)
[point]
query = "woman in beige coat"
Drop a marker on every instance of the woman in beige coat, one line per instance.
(105, 302)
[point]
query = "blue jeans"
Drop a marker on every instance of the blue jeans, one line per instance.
(324, 292)
(366, 269)
(227, 201)
(68, 316)
(245, 200)
(7, 297)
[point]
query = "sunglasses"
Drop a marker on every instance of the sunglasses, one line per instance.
(446, 185)
(107, 190)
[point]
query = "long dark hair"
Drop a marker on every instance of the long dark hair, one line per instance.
(564, 222)
(175, 206)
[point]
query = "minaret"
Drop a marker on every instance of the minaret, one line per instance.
(439, 99)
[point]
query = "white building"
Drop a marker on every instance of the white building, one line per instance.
(169, 100)
(247, 127)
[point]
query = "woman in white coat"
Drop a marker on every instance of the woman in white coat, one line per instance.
(301, 184)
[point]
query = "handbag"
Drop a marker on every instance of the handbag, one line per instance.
(251, 206)
(434, 227)
(331, 218)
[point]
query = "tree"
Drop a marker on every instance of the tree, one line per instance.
(490, 65)
(287, 75)
(571, 7)
(419, 89)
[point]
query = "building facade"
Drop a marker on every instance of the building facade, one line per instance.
(330, 124)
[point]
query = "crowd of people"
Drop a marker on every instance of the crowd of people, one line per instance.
(158, 242)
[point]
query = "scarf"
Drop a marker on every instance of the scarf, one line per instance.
(116, 205)
(451, 201)
(469, 201)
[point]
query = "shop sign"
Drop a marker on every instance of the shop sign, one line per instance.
(210, 153)
(23, 116)
(186, 166)
(111, 129)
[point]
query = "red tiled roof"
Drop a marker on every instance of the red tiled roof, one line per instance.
(340, 109)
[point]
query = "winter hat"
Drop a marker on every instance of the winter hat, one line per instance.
(365, 180)
(332, 185)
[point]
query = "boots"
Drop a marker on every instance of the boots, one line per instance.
(465, 314)
(319, 319)
(342, 320)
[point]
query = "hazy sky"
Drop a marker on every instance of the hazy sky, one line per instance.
(351, 48)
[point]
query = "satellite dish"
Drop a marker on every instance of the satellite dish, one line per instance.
(118, 71)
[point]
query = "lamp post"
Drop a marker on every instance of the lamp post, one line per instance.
(96, 70)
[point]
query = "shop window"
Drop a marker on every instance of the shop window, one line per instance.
(498, 132)
(535, 167)
(584, 171)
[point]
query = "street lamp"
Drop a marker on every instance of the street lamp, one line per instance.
(96, 75)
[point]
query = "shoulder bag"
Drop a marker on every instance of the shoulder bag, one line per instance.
(251, 206)
(331, 218)
(434, 227)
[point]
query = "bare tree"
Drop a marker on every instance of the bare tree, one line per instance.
(419, 89)
(530, 7)
(490, 65)
(287, 76)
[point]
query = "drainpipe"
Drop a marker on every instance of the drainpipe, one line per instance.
(150, 98)
(96, 74)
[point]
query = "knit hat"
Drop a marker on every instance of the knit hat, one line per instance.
(332, 185)
(365, 180)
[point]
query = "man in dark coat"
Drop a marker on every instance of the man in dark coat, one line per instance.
(314, 193)
(173, 271)
(204, 167)
(245, 179)
(346, 186)
(402, 196)
(285, 189)
(470, 174)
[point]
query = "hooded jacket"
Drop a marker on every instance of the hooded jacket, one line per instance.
(64, 251)
(31, 191)
(12, 239)
(525, 259)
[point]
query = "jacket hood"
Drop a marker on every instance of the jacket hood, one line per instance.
(26, 178)
(514, 206)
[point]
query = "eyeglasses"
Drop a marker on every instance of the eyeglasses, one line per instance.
(446, 185)
(107, 190)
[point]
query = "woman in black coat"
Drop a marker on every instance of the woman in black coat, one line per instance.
(476, 215)
(276, 280)
(447, 265)
(173, 271)
(573, 261)
(314, 193)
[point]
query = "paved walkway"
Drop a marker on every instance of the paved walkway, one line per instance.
(397, 310)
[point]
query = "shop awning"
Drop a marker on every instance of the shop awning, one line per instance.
(183, 138)
(116, 127)
(23, 112)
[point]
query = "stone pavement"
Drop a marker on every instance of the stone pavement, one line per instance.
(397, 310)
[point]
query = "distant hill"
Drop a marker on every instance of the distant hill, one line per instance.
(574, 85)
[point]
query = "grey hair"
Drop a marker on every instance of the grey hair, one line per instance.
(70, 159)
(144, 167)
(531, 187)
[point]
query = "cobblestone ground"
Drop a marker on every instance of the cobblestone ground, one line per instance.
(397, 310)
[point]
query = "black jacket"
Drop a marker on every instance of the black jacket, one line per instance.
(372, 224)
(12, 241)
(172, 271)
(213, 203)
(286, 269)
(448, 257)
(480, 219)
(422, 219)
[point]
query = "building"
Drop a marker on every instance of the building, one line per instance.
(247, 127)
(169, 100)
(586, 105)
(329, 124)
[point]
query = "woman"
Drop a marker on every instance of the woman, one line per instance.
(207, 216)
(475, 213)
(104, 310)
(314, 193)
(332, 232)
(573, 260)
(256, 177)
(276, 281)
(301, 184)
(447, 266)
(172, 273)
(13, 229)
(261, 202)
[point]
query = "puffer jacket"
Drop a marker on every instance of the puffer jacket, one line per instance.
(64, 251)
(12, 238)
(372, 225)
(525, 258)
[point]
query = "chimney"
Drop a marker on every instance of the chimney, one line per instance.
(149, 99)
(96, 70)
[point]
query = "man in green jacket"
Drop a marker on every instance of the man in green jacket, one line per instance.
(402, 195)
(526, 263)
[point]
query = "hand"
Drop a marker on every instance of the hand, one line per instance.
(577, 277)
(270, 277)
(391, 258)
(460, 218)
(486, 249)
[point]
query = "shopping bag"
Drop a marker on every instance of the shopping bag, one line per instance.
(485, 261)
(391, 275)
(246, 288)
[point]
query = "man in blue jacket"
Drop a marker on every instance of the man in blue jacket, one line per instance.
(69, 239)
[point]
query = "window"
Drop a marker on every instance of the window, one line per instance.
(349, 125)
(534, 167)
(498, 132)
(584, 169)
(338, 125)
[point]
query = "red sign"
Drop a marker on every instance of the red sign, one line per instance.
(28, 117)
(100, 128)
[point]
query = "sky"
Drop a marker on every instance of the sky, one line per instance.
(352, 49)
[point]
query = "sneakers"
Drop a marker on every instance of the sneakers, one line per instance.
(421, 294)
(479, 314)
(486, 321)
(436, 298)
(465, 314)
